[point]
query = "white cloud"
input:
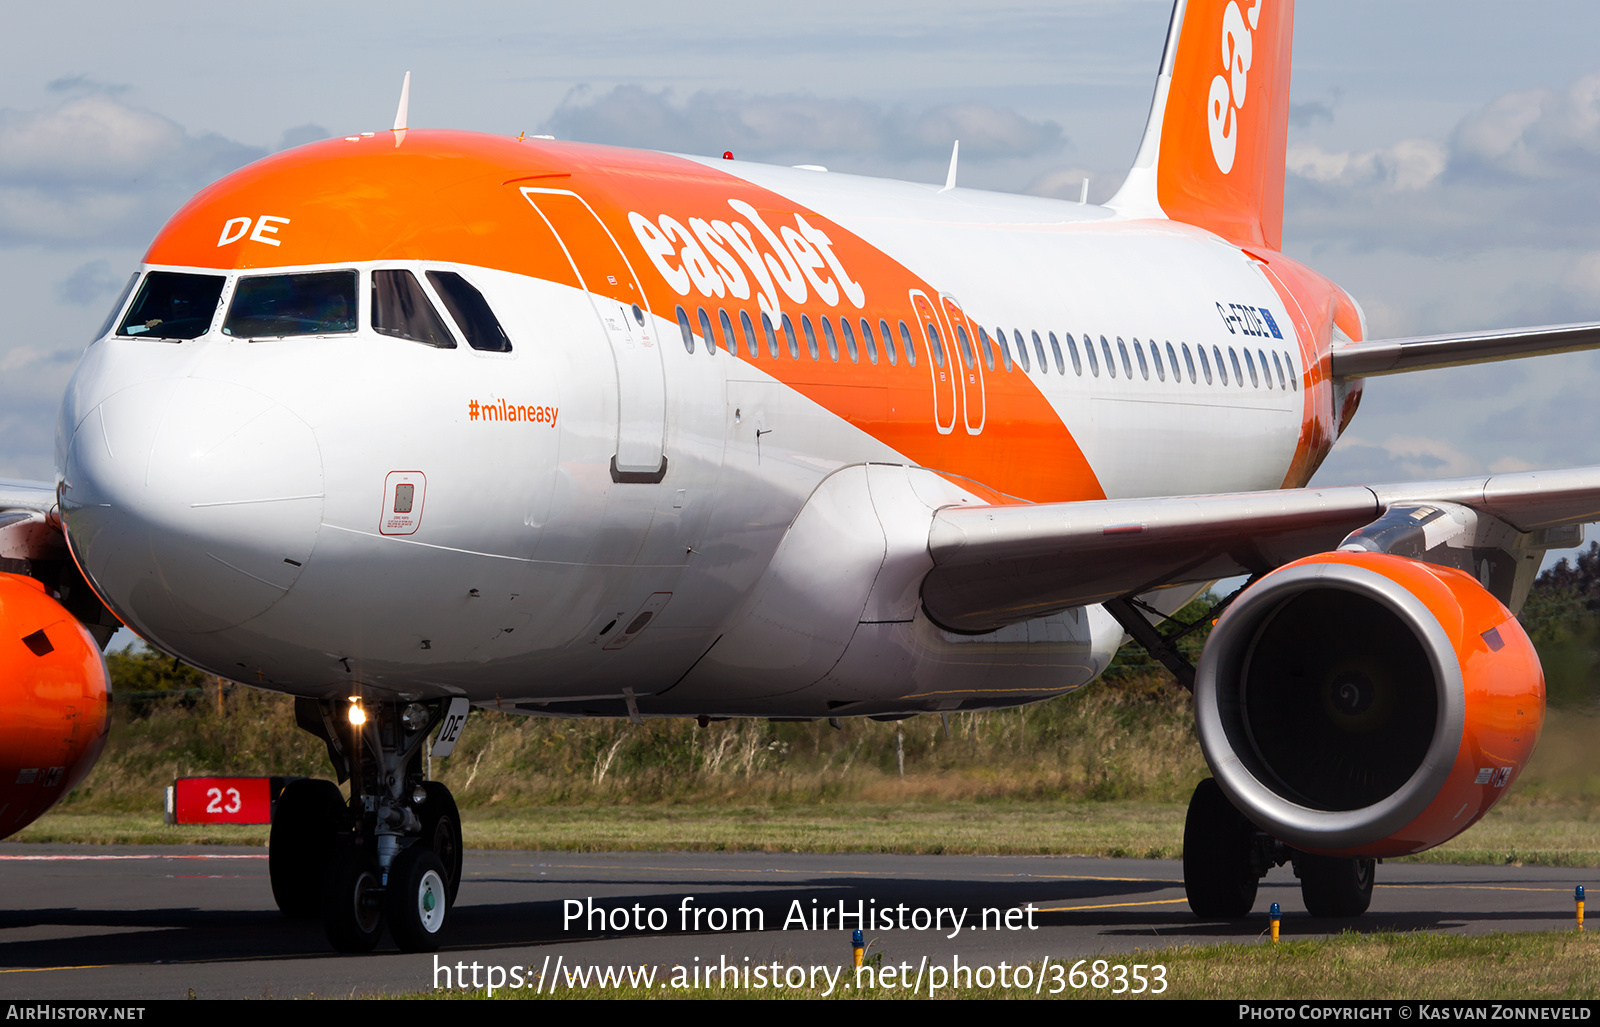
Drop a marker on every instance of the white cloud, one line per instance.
(1407, 166)
(94, 169)
(1541, 134)
(88, 283)
(785, 127)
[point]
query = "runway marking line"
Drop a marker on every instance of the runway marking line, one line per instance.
(1109, 905)
(839, 873)
(1473, 887)
(48, 859)
(47, 969)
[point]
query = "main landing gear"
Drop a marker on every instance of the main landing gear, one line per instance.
(391, 854)
(1225, 856)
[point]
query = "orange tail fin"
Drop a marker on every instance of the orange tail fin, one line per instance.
(1213, 151)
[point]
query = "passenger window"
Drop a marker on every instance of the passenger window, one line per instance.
(1294, 376)
(1005, 350)
(1266, 372)
(472, 314)
(116, 308)
(1155, 358)
(1222, 369)
(1238, 373)
(1250, 363)
(1278, 366)
(171, 305)
(1022, 350)
(1138, 352)
(968, 358)
(811, 335)
(1205, 364)
(1072, 351)
(905, 340)
(1038, 349)
(936, 344)
(280, 306)
(1188, 360)
(1055, 347)
(685, 330)
(987, 346)
(749, 333)
(706, 333)
(772, 336)
(850, 341)
(888, 341)
(1127, 367)
(1111, 361)
(872, 344)
(401, 309)
(1088, 351)
(1172, 362)
(729, 341)
(794, 343)
(830, 339)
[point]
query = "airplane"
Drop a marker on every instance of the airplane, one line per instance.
(705, 438)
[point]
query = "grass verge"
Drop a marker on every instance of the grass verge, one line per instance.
(1518, 833)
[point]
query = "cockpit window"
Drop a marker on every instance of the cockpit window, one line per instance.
(275, 306)
(471, 311)
(172, 305)
(400, 308)
(116, 308)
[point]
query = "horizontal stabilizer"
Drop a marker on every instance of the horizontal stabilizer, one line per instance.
(1396, 356)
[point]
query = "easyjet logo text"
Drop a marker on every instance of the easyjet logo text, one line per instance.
(739, 257)
(500, 410)
(1229, 90)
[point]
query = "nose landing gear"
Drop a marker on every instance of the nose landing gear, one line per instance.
(392, 853)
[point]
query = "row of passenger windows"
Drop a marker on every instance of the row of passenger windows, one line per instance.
(175, 305)
(1273, 368)
(869, 341)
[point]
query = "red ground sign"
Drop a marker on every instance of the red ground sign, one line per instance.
(222, 800)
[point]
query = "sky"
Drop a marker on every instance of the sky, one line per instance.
(1443, 154)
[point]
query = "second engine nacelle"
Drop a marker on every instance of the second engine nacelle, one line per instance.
(54, 699)
(1364, 704)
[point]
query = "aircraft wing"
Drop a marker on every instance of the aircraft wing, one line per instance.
(28, 530)
(27, 495)
(1395, 356)
(997, 565)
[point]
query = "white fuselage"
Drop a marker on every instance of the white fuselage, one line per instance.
(232, 499)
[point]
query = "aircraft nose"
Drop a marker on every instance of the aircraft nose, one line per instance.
(192, 504)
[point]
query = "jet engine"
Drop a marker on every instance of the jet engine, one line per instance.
(1366, 704)
(54, 702)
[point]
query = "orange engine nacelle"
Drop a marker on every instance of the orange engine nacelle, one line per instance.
(1363, 704)
(54, 702)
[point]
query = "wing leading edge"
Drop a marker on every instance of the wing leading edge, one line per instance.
(997, 565)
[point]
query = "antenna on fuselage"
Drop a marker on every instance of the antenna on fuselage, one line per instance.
(950, 179)
(405, 104)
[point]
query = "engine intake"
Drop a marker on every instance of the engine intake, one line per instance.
(1367, 704)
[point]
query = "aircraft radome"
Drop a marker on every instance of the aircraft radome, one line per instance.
(408, 421)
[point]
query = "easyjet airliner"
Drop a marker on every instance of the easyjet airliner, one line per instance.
(411, 421)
